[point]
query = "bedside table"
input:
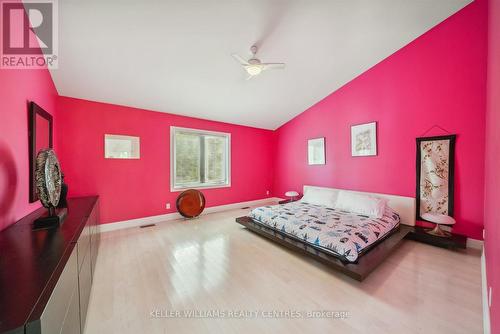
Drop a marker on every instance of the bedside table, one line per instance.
(456, 241)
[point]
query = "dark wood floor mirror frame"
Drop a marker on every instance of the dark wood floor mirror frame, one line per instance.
(33, 111)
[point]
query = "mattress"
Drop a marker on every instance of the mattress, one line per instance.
(343, 234)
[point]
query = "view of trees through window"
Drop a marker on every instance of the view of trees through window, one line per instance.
(215, 159)
(200, 158)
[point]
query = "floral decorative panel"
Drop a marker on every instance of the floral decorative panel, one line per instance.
(435, 170)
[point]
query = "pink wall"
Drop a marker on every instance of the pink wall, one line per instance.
(17, 88)
(492, 177)
(138, 188)
(437, 79)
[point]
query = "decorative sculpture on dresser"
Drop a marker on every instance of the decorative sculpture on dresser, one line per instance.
(48, 183)
(63, 200)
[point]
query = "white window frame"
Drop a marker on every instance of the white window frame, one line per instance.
(173, 188)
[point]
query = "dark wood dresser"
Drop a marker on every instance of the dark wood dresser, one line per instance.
(46, 275)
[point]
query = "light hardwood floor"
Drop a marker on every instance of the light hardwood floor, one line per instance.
(212, 263)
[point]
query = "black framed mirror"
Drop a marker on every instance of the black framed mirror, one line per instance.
(39, 138)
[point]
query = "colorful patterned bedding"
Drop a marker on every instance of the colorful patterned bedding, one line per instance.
(342, 233)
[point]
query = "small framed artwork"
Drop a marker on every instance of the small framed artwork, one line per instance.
(121, 147)
(316, 151)
(364, 140)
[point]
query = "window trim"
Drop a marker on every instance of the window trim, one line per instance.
(173, 130)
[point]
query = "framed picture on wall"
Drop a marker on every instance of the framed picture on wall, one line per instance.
(316, 151)
(364, 140)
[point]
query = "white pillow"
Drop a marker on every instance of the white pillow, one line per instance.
(326, 197)
(361, 204)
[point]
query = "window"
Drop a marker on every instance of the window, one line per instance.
(199, 159)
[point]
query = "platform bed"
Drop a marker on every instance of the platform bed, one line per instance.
(359, 270)
(368, 259)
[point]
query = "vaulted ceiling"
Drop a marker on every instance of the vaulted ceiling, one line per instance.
(175, 56)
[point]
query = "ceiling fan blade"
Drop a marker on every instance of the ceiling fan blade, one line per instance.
(239, 59)
(273, 66)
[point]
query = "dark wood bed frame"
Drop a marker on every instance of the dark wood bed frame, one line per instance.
(359, 270)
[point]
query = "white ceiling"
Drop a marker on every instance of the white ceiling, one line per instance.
(175, 56)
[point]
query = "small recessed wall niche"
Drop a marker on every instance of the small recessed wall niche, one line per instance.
(121, 147)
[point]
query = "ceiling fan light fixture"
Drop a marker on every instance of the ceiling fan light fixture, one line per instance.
(253, 69)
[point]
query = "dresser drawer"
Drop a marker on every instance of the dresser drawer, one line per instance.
(56, 309)
(94, 247)
(83, 245)
(94, 237)
(84, 286)
(71, 324)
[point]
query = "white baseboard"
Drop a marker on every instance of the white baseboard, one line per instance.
(474, 243)
(175, 215)
(484, 286)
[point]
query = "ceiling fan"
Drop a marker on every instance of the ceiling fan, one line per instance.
(254, 66)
